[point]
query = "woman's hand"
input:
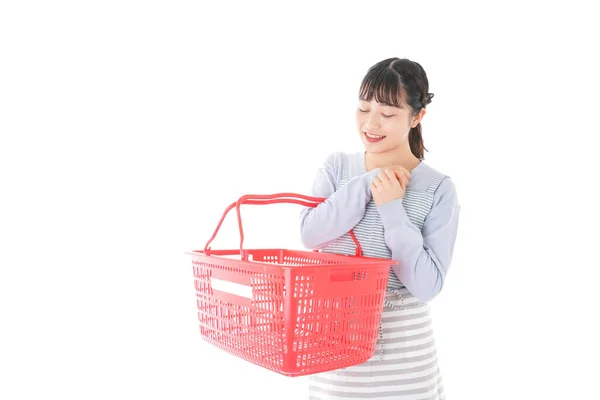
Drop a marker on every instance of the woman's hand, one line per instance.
(390, 184)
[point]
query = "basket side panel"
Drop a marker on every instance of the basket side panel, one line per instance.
(337, 331)
(252, 330)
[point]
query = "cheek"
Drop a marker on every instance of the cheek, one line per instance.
(395, 130)
(360, 119)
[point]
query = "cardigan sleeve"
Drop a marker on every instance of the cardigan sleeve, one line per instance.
(342, 209)
(423, 256)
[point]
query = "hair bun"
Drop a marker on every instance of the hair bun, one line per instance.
(427, 98)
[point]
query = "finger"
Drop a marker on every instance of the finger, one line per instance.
(403, 172)
(391, 175)
(377, 182)
(400, 179)
(405, 182)
(383, 177)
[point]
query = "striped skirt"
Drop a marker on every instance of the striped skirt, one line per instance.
(404, 365)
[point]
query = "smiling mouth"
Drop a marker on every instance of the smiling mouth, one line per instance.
(373, 138)
(370, 136)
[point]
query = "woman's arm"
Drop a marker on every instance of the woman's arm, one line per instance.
(423, 257)
(343, 209)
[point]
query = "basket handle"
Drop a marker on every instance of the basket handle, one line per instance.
(257, 199)
(282, 198)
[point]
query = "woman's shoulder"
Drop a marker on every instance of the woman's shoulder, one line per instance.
(430, 173)
(425, 177)
(438, 182)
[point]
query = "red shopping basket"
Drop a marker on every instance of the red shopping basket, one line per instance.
(293, 312)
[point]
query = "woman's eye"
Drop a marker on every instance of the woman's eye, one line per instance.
(386, 116)
(361, 110)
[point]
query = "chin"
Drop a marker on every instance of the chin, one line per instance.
(375, 151)
(375, 147)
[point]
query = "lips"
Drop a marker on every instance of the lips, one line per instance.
(371, 138)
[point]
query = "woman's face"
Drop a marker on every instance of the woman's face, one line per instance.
(383, 127)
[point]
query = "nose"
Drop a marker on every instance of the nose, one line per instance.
(372, 122)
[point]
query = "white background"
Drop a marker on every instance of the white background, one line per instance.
(128, 127)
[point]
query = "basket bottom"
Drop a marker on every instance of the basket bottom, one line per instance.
(307, 359)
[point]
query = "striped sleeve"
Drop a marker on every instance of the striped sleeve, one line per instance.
(423, 256)
(342, 209)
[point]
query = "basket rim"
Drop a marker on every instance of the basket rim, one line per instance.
(357, 261)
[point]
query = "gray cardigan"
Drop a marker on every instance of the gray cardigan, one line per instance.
(423, 255)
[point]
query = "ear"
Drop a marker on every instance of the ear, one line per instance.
(417, 118)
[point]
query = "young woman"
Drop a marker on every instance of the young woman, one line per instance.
(399, 208)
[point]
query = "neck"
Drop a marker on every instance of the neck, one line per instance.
(394, 157)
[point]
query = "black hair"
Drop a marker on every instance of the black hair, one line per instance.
(399, 82)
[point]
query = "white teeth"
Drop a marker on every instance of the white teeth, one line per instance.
(373, 136)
